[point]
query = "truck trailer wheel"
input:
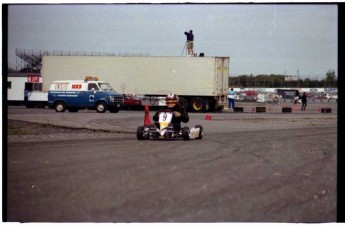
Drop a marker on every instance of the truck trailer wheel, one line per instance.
(183, 102)
(198, 104)
(60, 106)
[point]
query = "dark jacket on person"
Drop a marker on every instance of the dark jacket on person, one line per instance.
(297, 94)
(304, 98)
(190, 36)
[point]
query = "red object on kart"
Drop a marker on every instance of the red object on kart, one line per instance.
(147, 120)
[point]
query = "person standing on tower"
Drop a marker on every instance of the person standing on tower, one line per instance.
(190, 45)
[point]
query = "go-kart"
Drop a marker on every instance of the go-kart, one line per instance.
(163, 129)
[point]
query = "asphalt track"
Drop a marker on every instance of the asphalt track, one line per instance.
(249, 167)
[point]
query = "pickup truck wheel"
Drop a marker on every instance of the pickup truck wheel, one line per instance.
(101, 107)
(60, 107)
(198, 104)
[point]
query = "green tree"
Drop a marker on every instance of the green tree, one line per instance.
(330, 76)
(276, 81)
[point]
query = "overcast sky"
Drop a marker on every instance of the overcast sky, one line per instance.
(259, 38)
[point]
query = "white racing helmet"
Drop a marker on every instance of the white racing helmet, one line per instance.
(171, 100)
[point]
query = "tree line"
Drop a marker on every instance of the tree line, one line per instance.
(276, 80)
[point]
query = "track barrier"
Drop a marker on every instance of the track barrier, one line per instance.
(238, 109)
(260, 109)
(326, 110)
(286, 110)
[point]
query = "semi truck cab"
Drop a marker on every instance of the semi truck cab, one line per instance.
(89, 93)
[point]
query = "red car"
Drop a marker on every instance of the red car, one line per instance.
(131, 100)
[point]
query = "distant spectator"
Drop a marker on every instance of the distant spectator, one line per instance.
(297, 96)
(231, 98)
(26, 97)
(275, 99)
(304, 102)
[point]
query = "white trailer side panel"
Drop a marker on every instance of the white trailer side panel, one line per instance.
(143, 75)
(15, 90)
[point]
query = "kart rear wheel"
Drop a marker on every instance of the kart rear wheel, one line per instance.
(185, 133)
(183, 102)
(141, 133)
(201, 132)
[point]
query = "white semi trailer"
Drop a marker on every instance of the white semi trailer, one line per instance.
(200, 82)
(18, 82)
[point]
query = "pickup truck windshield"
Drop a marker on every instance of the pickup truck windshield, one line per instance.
(105, 87)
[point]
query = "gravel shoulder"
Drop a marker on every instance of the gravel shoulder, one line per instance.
(22, 131)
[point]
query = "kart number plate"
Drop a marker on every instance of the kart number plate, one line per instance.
(165, 119)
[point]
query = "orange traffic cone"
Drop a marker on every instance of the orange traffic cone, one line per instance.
(147, 120)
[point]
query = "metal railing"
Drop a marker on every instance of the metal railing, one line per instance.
(31, 59)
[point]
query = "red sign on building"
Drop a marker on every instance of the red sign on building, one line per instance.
(33, 78)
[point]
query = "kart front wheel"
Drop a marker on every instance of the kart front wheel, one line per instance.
(185, 133)
(142, 134)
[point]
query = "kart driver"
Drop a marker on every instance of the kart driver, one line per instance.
(179, 113)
